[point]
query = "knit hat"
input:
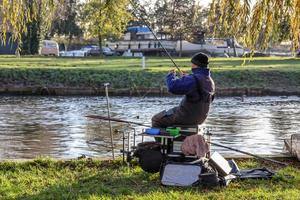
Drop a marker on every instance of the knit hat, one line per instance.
(200, 59)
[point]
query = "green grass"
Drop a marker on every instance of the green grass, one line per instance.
(92, 179)
(274, 73)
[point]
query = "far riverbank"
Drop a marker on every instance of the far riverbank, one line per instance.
(66, 76)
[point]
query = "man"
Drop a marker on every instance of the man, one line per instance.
(199, 90)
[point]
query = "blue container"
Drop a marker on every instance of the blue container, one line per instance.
(152, 131)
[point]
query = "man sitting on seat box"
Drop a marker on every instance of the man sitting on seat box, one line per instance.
(199, 90)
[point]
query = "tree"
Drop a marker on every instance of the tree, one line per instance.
(65, 23)
(160, 15)
(31, 38)
(175, 16)
(180, 18)
(259, 24)
(21, 16)
(105, 18)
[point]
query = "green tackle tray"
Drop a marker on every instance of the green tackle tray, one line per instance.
(173, 131)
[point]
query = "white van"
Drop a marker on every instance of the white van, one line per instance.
(49, 48)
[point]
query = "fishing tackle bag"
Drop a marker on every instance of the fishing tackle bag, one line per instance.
(149, 156)
(180, 174)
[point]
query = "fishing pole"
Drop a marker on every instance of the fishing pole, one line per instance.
(115, 120)
(216, 144)
(250, 154)
(135, 11)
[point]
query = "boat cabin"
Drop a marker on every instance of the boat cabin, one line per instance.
(140, 39)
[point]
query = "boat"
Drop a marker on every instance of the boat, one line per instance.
(292, 144)
(139, 39)
(216, 47)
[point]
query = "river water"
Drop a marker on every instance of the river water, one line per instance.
(32, 126)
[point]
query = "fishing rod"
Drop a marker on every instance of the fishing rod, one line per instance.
(215, 144)
(250, 154)
(135, 11)
(115, 120)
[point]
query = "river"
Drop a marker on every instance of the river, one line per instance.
(32, 126)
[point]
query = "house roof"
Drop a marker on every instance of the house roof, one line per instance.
(138, 29)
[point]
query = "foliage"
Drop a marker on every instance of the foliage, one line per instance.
(257, 25)
(31, 38)
(15, 16)
(66, 22)
(180, 18)
(93, 179)
(105, 18)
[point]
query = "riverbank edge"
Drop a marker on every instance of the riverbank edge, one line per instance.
(279, 156)
(100, 91)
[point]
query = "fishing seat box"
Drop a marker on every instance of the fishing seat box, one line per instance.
(151, 158)
(172, 144)
(185, 131)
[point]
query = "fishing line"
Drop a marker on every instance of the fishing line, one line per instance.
(135, 13)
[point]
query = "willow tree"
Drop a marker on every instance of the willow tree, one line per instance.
(105, 18)
(16, 14)
(257, 24)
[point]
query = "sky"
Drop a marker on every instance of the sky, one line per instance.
(202, 2)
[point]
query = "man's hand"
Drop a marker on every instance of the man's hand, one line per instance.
(172, 71)
(183, 73)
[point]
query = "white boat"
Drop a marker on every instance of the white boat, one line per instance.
(140, 39)
(212, 47)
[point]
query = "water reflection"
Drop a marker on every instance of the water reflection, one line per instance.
(56, 126)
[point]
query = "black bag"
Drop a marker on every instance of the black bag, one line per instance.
(257, 173)
(150, 156)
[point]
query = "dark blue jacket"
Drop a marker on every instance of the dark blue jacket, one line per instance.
(195, 105)
(187, 84)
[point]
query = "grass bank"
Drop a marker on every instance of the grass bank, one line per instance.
(272, 73)
(91, 179)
